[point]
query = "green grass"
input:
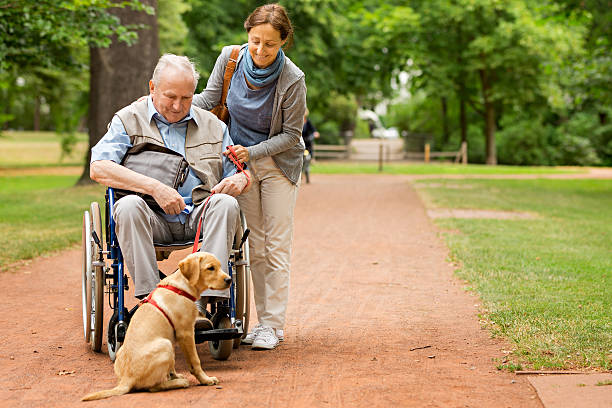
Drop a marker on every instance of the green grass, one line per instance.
(20, 149)
(546, 282)
(41, 214)
(326, 167)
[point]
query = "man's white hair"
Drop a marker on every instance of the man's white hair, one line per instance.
(176, 61)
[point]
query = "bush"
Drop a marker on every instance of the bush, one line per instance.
(330, 134)
(527, 141)
(573, 142)
(524, 142)
(575, 150)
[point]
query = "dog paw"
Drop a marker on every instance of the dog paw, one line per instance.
(206, 380)
(211, 381)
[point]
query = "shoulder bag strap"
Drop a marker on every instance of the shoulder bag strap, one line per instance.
(229, 71)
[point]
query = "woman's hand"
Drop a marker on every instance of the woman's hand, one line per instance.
(241, 152)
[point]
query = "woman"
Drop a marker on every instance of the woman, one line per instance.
(266, 103)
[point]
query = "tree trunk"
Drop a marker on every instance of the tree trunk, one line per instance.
(120, 74)
(489, 118)
(445, 131)
(36, 124)
(462, 120)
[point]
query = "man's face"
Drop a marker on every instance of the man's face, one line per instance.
(173, 94)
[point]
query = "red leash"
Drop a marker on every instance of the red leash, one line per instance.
(239, 169)
(239, 166)
(197, 237)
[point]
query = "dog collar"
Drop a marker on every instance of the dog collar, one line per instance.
(179, 291)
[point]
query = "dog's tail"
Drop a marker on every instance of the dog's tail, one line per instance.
(118, 390)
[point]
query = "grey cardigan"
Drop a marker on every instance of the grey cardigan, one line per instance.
(284, 142)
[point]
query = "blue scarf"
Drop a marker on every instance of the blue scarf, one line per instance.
(263, 76)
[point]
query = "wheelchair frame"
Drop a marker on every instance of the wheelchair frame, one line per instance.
(230, 317)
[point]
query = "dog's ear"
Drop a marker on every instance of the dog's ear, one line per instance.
(190, 268)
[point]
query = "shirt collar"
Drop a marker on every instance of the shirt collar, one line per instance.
(153, 113)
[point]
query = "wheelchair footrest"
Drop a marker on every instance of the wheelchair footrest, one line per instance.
(217, 334)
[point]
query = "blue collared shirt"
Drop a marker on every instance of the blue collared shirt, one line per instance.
(116, 142)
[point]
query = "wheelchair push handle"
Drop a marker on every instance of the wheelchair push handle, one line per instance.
(245, 235)
(96, 239)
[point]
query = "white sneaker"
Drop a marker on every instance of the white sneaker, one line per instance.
(249, 338)
(266, 339)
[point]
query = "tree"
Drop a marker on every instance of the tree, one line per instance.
(43, 48)
(495, 55)
(42, 32)
(120, 73)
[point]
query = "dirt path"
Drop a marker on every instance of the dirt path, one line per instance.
(369, 283)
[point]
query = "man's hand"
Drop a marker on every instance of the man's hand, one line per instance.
(233, 185)
(169, 199)
(241, 152)
(112, 174)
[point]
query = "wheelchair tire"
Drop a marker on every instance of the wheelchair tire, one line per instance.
(111, 342)
(243, 283)
(86, 275)
(221, 349)
(97, 286)
(92, 278)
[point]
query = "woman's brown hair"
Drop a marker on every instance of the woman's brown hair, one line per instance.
(275, 15)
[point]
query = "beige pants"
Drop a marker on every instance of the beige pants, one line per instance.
(268, 207)
(138, 227)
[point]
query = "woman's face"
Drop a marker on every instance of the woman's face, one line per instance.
(264, 43)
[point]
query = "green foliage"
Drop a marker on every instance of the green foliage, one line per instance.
(503, 54)
(525, 142)
(345, 47)
(547, 66)
(42, 33)
(172, 29)
(44, 59)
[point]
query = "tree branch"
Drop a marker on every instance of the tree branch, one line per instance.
(473, 105)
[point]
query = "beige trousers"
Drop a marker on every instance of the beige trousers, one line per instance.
(268, 207)
(138, 227)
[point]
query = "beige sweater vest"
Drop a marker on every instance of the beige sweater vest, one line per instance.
(203, 143)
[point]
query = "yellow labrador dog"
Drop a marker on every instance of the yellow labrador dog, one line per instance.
(146, 359)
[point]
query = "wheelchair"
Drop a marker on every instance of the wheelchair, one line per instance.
(103, 273)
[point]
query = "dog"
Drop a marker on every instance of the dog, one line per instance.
(146, 359)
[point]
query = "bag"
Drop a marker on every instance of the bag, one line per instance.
(157, 162)
(220, 110)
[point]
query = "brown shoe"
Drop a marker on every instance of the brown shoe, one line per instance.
(203, 324)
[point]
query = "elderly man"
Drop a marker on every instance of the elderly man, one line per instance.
(166, 117)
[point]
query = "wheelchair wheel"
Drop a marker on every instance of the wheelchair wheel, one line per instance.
(221, 349)
(86, 275)
(111, 342)
(92, 279)
(243, 282)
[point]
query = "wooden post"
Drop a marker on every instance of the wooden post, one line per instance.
(427, 152)
(380, 156)
(464, 159)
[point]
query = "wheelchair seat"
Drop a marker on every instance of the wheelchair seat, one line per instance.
(163, 250)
